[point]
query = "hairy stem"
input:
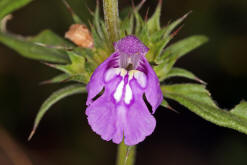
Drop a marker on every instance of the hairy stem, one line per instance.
(126, 154)
(111, 19)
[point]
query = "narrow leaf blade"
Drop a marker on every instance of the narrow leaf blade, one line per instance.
(179, 72)
(52, 99)
(175, 51)
(197, 99)
(31, 50)
(8, 6)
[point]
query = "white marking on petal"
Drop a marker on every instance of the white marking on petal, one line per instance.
(141, 78)
(123, 72)
(110, 73)
(128, 94)
(119, 91)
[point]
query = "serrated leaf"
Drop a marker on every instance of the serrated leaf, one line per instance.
(153, 23)
(179, 72)
(240, 110)
(194, 92)
(31, 50)
(172, 53)
(197, 99)
(8, 6)
(52, 99)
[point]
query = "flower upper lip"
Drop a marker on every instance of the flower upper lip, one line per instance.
(131, 45)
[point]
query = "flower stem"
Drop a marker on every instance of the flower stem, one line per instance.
(111, 19)
(126, 154)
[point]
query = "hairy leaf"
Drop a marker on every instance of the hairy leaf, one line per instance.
(179, 72)
(52, 99)
(153, 23)
(8, 6)
(50, 38)
(240, 110)
(177, 50)
(197, 99)
(57, 79)
(76, 69)
(31, 50)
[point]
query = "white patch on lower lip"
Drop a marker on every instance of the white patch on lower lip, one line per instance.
(141, 78)
(119, 91)
(111, 73)
(128, 94)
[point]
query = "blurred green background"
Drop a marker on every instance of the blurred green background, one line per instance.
(64, 136)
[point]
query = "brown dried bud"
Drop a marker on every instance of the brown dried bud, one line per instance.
(80, 35)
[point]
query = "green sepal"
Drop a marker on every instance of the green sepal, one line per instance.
(75, 17)
(172, 53)
(170, 27)
(76, 69)
(153, 23)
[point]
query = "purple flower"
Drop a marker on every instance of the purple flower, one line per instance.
(124, 78)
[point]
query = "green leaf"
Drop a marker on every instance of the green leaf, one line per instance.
(197, 99)
(65, 78)
(52, 99)
(153, 23)
(57, 79)
(96, 21)
(76, 69)
(51, 39)
(184, 46)
(138, 22)
(75, 17)
(31, 50)
(240, 110)
(8, 6)
(179, 72)
(169, 28)
(177, 50)
(127, 26)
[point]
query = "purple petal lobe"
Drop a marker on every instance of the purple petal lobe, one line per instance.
(139, 122)
(102, 114)
(96, 82)
(153, 92)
